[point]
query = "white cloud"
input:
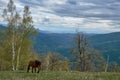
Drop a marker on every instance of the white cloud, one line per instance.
(54, 2)
(68, 15)
(86, 4)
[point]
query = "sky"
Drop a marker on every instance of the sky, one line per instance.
(67, 16)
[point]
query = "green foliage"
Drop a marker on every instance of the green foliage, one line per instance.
(17, 45)
(107, 44)
(86, 58)
(113, 67)
(55, 62)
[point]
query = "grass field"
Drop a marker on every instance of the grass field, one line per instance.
(59, 75)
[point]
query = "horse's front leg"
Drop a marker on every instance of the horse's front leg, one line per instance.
(35, 70)
(32, 69)
(39, 68)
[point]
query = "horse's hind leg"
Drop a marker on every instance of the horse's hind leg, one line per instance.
(28, 68)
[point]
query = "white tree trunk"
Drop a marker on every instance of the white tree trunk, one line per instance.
(19, 50)
(47, 62)
(18, 58)
(13, 53)
(107, 63)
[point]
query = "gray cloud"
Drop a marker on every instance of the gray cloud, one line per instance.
(91, 10)
(32, 3)
(104, 9)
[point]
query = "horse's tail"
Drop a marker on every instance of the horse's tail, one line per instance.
(28, 68)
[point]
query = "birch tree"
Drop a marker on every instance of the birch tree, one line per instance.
(12, 17)
(18, 33)
(25, 31)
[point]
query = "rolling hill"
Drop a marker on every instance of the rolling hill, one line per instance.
(108, 44)
(53, 42)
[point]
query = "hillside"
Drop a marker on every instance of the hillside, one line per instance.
(53, 42)
(108, 44)
(2, 28)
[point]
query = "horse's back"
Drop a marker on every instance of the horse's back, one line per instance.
(34, 62)
(31, 63)
(37, 62)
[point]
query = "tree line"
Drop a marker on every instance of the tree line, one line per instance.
(16, 47)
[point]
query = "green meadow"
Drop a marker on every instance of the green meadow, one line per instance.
(58, 75)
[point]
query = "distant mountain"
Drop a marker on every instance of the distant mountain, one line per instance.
(2, 28)
(53, 42)
(108, 44)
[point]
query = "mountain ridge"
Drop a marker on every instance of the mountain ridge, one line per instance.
(108, 44)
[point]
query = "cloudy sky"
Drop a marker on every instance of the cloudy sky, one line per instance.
(90, 16)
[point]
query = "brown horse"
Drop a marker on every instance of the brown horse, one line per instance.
(34, 64)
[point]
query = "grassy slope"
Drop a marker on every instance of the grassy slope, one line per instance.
(20, 75)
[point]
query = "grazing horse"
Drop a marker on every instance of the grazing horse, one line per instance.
(34, 64)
